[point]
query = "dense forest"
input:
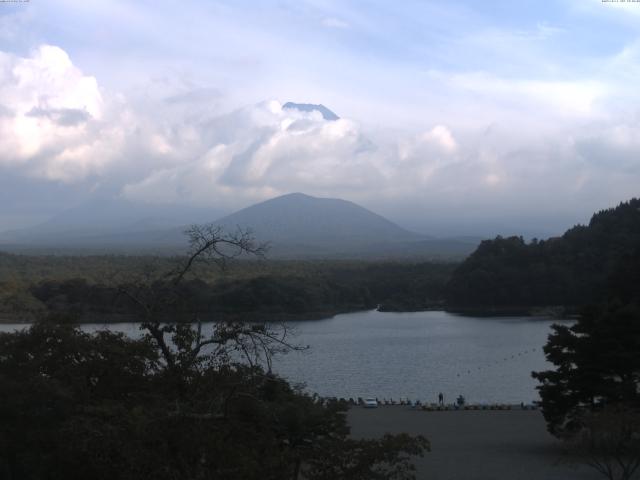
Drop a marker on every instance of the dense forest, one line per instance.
(91, 288)
(570, 271)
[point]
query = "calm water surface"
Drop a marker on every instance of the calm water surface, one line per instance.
(414, 355)
(419, 354)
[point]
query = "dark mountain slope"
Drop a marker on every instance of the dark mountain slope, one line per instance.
(298, 219)
(301, 226)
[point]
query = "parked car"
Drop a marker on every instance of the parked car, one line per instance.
(370, 403)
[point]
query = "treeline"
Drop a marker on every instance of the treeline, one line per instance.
(250, 290)
(571, 270)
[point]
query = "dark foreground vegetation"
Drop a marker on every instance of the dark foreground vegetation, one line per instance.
(102, 406)
(592, 396)
(176, 404)
(78, 406)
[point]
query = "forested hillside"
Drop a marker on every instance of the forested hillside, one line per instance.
(571, 270)
(91, 288)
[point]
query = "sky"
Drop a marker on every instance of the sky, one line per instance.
(457, 118)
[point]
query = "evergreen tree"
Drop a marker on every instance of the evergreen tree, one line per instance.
(597, 359)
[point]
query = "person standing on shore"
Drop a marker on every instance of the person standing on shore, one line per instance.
(440, 399)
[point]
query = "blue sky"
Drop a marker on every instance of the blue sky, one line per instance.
(517, 114)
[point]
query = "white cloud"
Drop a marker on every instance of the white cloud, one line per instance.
(331, 22)
(566, 98)
(54, 120)
(491, 141)
(544, 31)
(441, 136)
(264, 149)
(58, 124)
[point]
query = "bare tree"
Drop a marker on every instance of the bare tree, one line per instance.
(182, 344)
(609, 442)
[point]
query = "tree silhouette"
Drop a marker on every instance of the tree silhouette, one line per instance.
(177, 402)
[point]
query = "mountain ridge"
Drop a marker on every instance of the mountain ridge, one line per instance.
(314, 219)
(295, 225)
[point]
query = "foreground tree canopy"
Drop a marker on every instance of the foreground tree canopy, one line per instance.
(176, 403)
(103, 406)
(592, 397)
(597, 363)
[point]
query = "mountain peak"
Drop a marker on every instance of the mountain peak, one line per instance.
(310, 107)
(299, 226)
(295, 195)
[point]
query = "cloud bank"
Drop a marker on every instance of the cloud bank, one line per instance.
(59, 125)
(54, 122)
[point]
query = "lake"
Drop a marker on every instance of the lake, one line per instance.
(414, 355)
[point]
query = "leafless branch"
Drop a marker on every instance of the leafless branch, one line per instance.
(610, 441)
(154, 295)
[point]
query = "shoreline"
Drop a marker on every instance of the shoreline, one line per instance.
(266, 317)
(559, 313)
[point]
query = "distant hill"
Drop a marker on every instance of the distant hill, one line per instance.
(296, 226)
(309, 107)
(109, 224)
(571, 270)
(302, 226)
(300, 218)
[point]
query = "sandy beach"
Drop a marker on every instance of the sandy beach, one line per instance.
(475, 445)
